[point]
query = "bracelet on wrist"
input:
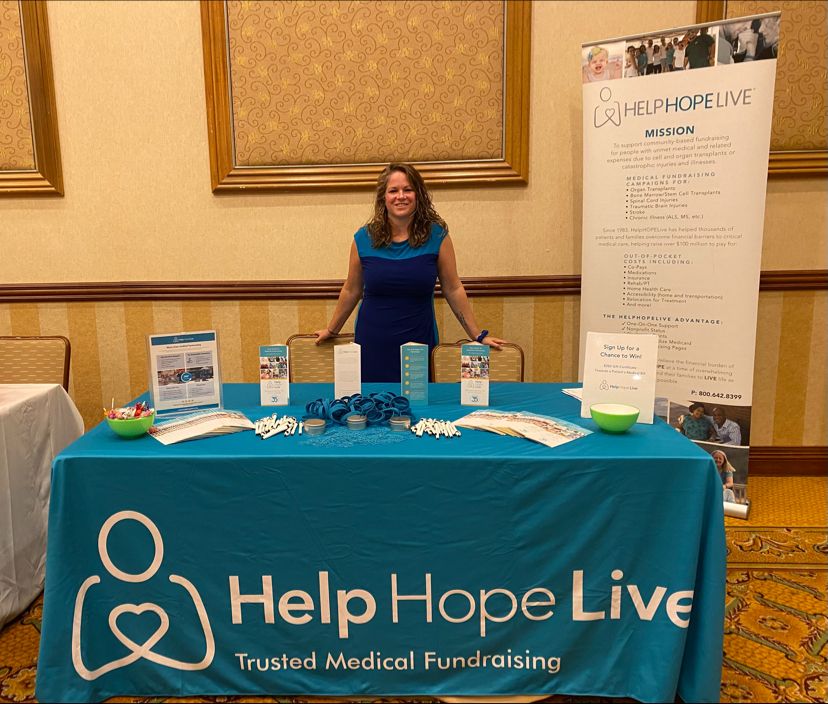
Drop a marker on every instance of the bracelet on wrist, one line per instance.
(482, 336)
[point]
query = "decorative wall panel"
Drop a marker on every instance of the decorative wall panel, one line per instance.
(319, 83)
(799, 130)
(16, 144)
(29, 147)
(800, 107)
(311, 94)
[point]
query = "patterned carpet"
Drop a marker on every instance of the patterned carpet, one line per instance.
(776, 619)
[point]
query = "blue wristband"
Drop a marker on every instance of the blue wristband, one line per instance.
(482, 335)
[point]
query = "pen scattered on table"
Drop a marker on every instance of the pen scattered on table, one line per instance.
(435, 427)
(273, 425)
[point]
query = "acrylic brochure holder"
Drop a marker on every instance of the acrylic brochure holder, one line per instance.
(184, 373)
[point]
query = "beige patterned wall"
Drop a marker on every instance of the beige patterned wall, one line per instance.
(365, 81)
(16, 147)
(800, 120)
(109, 355)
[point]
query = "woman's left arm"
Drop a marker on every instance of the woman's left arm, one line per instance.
(455, 294)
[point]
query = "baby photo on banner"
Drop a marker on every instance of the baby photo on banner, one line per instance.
(675, 173)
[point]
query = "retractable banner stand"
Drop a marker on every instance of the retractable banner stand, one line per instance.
(676, 138)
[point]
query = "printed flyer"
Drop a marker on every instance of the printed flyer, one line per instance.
(676, 139)
(474, 375)
(184, 372)
(274, 384)
(414, 372)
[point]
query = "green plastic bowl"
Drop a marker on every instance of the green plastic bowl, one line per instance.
(131, 427)
(614, 417)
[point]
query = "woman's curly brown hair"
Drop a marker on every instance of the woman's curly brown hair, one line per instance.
(424, 213)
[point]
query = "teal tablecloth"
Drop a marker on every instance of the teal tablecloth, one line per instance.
(234, 565)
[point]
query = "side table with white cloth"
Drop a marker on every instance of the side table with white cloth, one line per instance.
(36, 422)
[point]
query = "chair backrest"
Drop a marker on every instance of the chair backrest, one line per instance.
(310, 362)
(35, 360)
(504, 365)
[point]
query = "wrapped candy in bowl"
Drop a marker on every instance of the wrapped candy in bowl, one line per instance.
(130, 421)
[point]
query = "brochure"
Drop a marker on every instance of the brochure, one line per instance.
(347, 370)
(274, 384)
(546, 430)
(184, 374)
(474, 375)
(414, 372)
(204, 424)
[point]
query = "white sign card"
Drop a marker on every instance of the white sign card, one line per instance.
(620, 368)
(274, 384)
(184, 372)
(347, 370)
(474, 375)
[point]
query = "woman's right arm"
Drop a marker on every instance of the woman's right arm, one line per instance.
(349, 296)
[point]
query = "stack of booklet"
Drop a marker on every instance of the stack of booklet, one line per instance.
(543, 429)
(200, 425)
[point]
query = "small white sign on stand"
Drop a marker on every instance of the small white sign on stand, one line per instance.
(620, 368)
(347, 370)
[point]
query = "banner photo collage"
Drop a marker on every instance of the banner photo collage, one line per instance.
(675, 172)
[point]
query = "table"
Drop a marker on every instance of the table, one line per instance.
(378, 563)
(36, 422)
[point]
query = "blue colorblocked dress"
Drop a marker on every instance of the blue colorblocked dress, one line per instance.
(397, 302)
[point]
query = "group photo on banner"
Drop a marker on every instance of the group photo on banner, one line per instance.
(675, 173)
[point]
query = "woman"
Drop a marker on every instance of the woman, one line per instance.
(394, 263)
(726, 472)
(697, 425)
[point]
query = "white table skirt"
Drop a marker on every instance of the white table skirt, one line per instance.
(36, 422)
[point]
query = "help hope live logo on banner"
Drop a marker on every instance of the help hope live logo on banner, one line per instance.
(676, 137)
(342, 608)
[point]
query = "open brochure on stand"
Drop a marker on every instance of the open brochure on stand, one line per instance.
(200, 425)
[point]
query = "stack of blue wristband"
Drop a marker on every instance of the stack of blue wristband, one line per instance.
(376, 407)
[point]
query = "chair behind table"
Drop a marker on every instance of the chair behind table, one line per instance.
(504, 365)
(35, 360)
(310, 362)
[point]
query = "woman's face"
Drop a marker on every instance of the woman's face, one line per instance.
(697, 413)
(400, 197)
(719, 458)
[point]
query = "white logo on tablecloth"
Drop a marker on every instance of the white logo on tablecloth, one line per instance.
(137, 650)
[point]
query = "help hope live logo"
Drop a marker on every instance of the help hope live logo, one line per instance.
(355, 606)
(137, 651)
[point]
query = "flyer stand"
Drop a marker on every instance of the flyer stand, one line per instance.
(184, 372)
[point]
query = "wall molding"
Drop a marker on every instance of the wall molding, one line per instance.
(569, 284)
(809, 460)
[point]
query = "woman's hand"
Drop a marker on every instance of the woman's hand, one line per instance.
(495, 342)
(322, 335)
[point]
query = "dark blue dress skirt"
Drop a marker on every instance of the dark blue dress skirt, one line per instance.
(398, 302)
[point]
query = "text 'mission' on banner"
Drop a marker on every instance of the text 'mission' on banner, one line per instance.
(676, 138)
